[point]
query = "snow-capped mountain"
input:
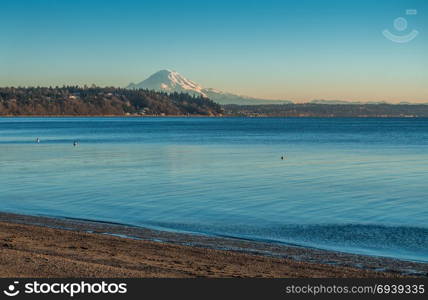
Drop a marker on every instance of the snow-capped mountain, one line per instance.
(171, 81)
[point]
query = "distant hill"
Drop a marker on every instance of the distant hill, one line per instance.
(74, 100)
(171, 81)
(330, 102)
(381, 110)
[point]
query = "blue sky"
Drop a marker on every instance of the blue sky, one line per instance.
(298, 50)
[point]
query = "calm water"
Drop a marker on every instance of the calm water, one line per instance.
(355, 185)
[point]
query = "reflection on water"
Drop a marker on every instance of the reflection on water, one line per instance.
(356, 185)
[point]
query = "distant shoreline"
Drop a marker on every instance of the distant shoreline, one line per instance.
(79, 248)
(108, 116)
(73, 101)
(213, 117)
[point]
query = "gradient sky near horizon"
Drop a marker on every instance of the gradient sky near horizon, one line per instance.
(277, 49)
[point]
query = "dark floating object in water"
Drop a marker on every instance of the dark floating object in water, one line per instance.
(37, 140)
(76, 143)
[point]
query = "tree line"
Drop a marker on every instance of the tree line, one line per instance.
(75, 100)
(329, 110)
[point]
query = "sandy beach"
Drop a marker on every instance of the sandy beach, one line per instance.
(39, 250)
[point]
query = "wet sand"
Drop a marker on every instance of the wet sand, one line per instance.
(46, 247)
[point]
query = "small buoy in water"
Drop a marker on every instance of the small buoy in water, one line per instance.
(37, 140)
(75, 143)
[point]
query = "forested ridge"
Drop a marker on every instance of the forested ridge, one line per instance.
(94, 101)
(74, 100)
